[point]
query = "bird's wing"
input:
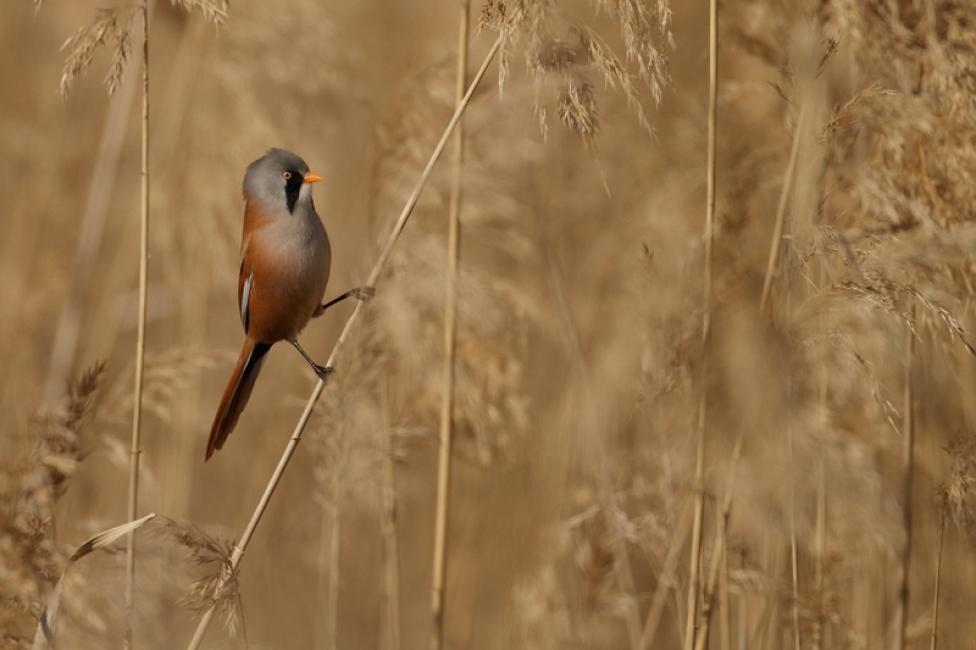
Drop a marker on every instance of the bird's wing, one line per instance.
(244, 283)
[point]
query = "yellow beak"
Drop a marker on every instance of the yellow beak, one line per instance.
(311, 178)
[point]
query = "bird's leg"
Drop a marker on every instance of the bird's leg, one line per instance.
(359, 293)
(321, 371)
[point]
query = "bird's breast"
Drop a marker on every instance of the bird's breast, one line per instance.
(291, 259)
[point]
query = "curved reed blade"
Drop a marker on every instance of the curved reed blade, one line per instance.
(45, 635)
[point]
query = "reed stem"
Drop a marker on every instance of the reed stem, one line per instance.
(938, 580)
(133, 506)
(391, 546)
(664, 584)
(439, 578)
(691, 624)
(784, 199)
(908, 463)
(719, 550)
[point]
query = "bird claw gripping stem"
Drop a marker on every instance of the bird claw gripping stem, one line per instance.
(323, 371)
(363, 294)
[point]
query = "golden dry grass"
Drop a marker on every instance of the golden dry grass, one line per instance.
(850, 123)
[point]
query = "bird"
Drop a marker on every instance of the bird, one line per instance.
(285, 262)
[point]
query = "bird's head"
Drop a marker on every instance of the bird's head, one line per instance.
(279, 180)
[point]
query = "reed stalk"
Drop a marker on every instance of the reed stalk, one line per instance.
(439, 578)
(934, 641)
(664, 584)
(908, 467)
(133, 507)
(391, 544)
(335, 556)
(718, 550)
(791, 460)
(794, 554)
(784, 199)
(821, 554)
(742, 638)
(340, 343)
(820, 575)
(724, 604)
(691, 624)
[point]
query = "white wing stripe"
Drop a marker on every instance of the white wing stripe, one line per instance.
(245, 295)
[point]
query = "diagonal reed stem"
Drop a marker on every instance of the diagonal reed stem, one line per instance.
(340, 343)
(784, 199)
(691, 624)
(664, 584)
(439, 578)
(130, 548)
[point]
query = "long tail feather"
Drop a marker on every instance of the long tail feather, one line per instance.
(236, 394)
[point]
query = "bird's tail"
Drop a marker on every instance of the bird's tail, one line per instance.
(236, 394)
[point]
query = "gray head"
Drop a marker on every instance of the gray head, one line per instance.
(279, 180)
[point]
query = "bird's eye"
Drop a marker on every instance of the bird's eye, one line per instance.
(286, 176)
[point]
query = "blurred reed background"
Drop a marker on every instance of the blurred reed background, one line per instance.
(848, 127)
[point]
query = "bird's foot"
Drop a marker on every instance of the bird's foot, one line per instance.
(363, 294)
(322, 371)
